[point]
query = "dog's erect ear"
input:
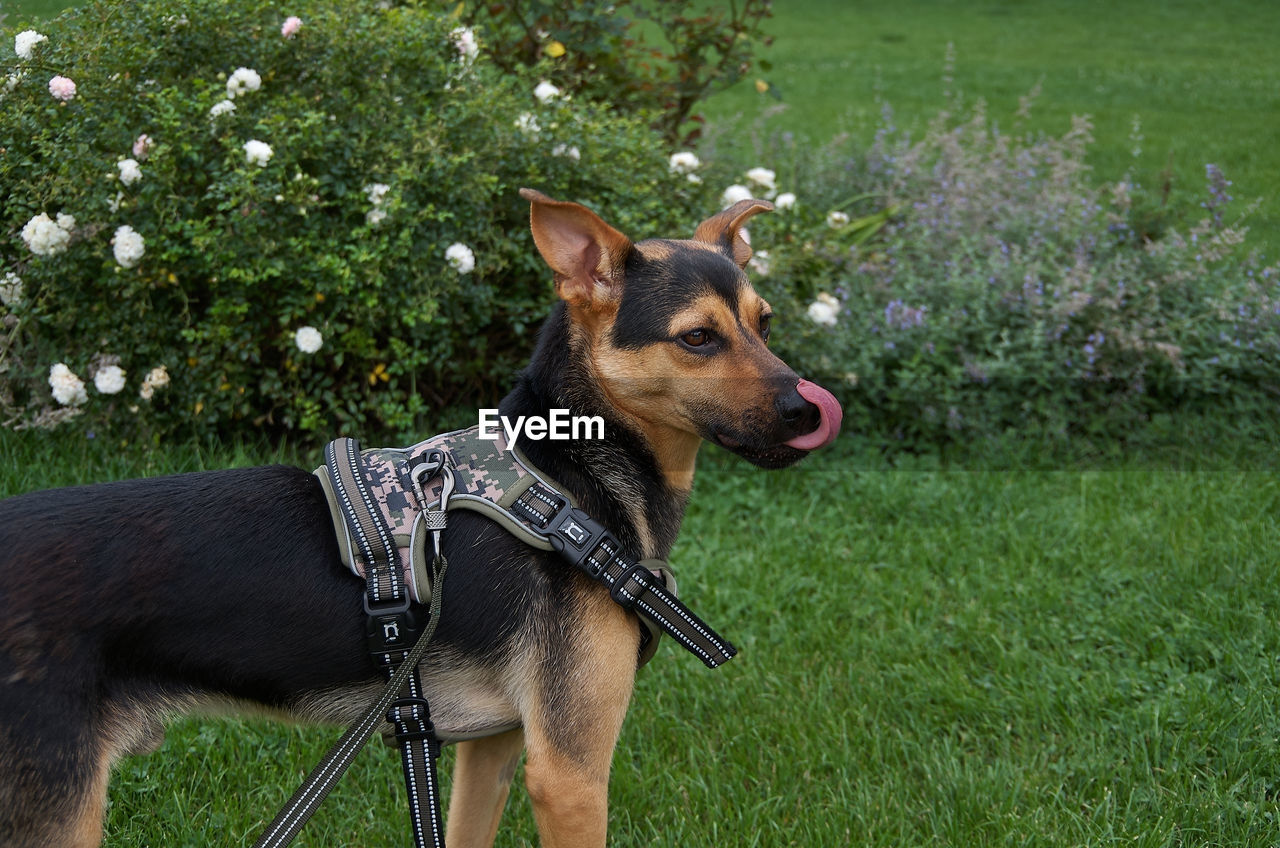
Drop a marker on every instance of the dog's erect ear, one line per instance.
(586, 254)
(724, 230)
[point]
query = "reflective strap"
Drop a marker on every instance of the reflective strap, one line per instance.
(586, 543)
(419, 749)
(369, 532)
(325, 776)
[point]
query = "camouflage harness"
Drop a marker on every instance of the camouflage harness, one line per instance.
(389, 509)
(413, 492)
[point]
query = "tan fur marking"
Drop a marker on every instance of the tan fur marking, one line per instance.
(662, 387)
(569, 785)
(481, 783)
(87, 832)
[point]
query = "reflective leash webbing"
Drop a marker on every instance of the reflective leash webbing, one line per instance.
(308, 797)
(539, 515)
(390, 627)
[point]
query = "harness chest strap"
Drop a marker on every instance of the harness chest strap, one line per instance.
(499, 483)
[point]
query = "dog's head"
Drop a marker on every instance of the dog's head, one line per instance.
(678, 338)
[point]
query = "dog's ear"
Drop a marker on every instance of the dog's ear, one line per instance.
(586, 254)
(725, 230)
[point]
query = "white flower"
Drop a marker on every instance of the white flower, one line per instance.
(837, 219)
(157, 378)
(45, 236)
(142, 146)
(308, 339)
(222, 107)
(11, 290)
(461, 258)
(130, 173)
(464, 38)
(786, 200)
(376, 192)
(11, 82)
(735, 193)
(544, 91)
(683, 162)
(374, 217)
(823, 310)
(62, 88)
(257, 152)
(527, 124)
(109, 380)
(762, 177)
(68, 389)
(291, 25)
(242, 80)
(127, 246)
(24, 41)
(566, 151)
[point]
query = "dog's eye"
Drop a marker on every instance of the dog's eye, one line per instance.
(764, 326)
(696, 338)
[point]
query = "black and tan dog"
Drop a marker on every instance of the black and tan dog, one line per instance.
(122, 604)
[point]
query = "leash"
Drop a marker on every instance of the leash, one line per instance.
(390, 631)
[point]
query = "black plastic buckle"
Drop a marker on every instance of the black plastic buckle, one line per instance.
(410, 729)
(576, 535)
(390, 630)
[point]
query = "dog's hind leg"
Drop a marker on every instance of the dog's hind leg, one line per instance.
(481, 782)
(52, 792)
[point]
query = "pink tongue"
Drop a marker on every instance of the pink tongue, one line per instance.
(831, 415)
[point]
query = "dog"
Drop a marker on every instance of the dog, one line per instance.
(123, 604)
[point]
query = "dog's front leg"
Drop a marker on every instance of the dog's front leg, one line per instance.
(570, 738)
(481, 781)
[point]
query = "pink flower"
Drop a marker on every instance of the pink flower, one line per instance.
(62, 88)
(142, 146)
(292, 24)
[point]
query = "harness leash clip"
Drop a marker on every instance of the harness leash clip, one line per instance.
(426, 469)
(437, 520)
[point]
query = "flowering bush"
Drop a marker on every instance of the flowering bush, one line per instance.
(296, 215)
(599, 49)
(970, 283)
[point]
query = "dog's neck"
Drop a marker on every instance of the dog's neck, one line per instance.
(615, 479)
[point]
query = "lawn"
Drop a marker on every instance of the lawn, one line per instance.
(1074, 657)
(1192, 72)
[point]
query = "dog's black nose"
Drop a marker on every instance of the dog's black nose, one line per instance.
(793, 409)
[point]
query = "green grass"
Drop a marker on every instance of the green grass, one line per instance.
(38, 9)
(1196, 73)
(934, 657)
